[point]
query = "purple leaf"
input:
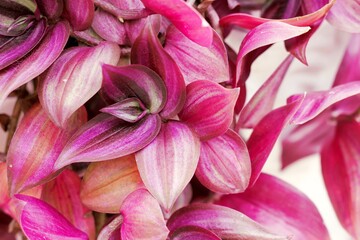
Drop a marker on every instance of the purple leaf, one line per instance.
(265, 34)
(107, 137)
(197, 62)
(169, 162)
(19, 46)
(142, 218)
(192, 232)
(263, 100)
(280, 208)
(148, 51)
(36, 61)
(345, 15)
(106, 184)
(41, 143)
(74, 78)
(340, 162)
(38, 220)
(79, 13)
(224, 164)
(185, 18)
(209, 108)
(52, 9)
(135, 81)
(224, 222)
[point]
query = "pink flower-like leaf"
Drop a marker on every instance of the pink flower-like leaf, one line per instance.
(79, 13)
(112, 230)
(134, 81)
(213, 64)
(222, 221)
(185, 18)
(52, 9)
(263, 35)
(209, 108)
(314, 103)
(263, 100)
(345, 15)
(224, 164)
(39, 220)
(280, 208)
(306, 139)
(129, 110)
(340, 162)
(36, 62)
(74, 78)
(265, 134)
(142, 218)
(107, 137)
(19, 46)
(192, 232)
(169, 162)
(36, 145)
(147, 50)
(106, 184)
(63, 193)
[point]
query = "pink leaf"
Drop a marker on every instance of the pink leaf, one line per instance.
(263, 100)
(112, 230)
(106, 184)
(74, 78)
(185, 18)
(265, 34)
(224, 164)
(148, 51)
(197, 62)
(41, 143)
(142, 218)
(209, 108)
(106, 137)
(280, 208)
(169, 162)
(340, 161)
(135, 81)
(345, 15)
(79, 13)
(224, 222)
(36, 62)
(63, 193)
(192, 232)
(38, 220)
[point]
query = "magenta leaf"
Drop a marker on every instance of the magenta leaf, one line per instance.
(107, 137)
(36, 62)
(265, 34)
(79, 13)
(74, 78)
(169, 162)
(224, 164)
(19, 46)
(280, 208)
(213, 65)
(306, 139)
(344, 15)
(192, 232)
(222, 221)
(41, 143)
(142, 218)
(185, 18)
(209, 108)
(135, 81)
(50, 8)
(263, 100)
(341, 171)
(63, 193)
(148, 51)
(38, 220)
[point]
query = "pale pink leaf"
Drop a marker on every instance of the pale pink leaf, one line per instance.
(112, 230)
(345, 15)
